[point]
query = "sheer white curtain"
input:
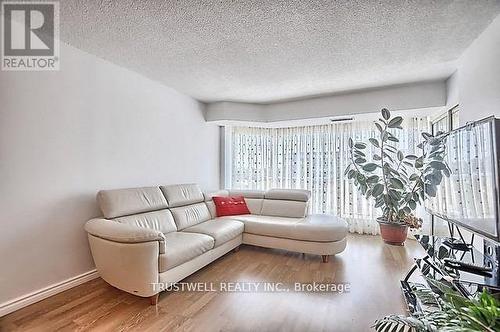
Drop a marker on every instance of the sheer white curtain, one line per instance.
(313, 158)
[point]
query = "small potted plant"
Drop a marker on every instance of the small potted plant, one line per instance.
(397, 183)
(446, 310)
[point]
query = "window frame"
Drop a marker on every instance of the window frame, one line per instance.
(448, 115)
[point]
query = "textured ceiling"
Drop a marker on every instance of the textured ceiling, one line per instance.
(262, 51)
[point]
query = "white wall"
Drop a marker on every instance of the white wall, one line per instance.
(404, 97)
(478, 76)
(452, 93)
(65, 135)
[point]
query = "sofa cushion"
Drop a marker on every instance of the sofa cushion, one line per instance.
(182, 194)
(162, 220)
(253, 204)
(221, 229)
(182, 247)
(123, 202)
(283, 208)
(190, 215)
(318, 228)
(230, 206)
(288, 194)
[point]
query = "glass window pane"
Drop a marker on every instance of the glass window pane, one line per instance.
(455, 120)
(440, 125)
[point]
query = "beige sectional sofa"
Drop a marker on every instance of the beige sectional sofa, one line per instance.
(155, 235)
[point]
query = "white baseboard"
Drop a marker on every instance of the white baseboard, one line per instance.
(30, 298)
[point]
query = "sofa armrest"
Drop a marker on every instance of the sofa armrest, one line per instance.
(126, 256)
(132, 267)
(123, 233)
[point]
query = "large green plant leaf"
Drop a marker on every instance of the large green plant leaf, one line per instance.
(395, 122)
(412, 204)
(386, 114)
(399, 323)
(434, 141)
(375, 142)
(393, 139)
(397, 183)
(419, 163)
(395, 196)
(377, 190)
(358, 153)
(386, 155)
(373, 179)
(437, 165)
(370, 167)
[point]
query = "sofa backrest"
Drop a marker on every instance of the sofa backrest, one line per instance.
(253, 198)
(209, 201)
(144, 207)
(274, 202)
(286, 203)
(175, 207)
(187, 204)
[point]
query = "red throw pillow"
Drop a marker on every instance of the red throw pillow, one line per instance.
(230, 206)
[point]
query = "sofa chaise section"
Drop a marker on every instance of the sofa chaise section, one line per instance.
(279, 220)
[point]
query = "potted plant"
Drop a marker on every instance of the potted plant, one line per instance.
(447, 310)
(397, 183)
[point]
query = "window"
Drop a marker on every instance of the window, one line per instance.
(455, 120)
(447, 121)
(312, 158)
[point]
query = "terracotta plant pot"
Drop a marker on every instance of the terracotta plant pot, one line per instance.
(393, 233)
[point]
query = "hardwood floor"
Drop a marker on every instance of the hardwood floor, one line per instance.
(372, 269)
